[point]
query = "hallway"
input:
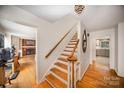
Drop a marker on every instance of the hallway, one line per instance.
(98, 77)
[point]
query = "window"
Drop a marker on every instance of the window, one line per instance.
(102, 43)
(105, 44)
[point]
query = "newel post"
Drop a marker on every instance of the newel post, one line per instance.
(72, 60)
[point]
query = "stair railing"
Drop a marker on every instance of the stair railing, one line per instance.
(72, 60)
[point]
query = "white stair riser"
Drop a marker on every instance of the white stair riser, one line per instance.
(60, 68)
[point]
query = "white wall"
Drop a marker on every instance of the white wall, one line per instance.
(99, 34)
(116, 49)
(121, 49)
(84, 57)
(18, 29)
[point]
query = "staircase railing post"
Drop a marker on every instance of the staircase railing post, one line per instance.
(72, 60)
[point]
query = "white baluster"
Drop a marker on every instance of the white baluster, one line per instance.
(69, 75)
(75, 74)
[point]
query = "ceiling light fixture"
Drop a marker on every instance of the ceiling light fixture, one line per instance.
(79, 8)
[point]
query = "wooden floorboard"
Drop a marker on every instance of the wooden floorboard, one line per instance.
(44, 84)
(95, 77)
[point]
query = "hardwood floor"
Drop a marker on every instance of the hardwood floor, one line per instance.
(44, 84)
(26, 77)
(98, 77)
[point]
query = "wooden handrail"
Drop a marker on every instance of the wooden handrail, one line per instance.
(48, 54)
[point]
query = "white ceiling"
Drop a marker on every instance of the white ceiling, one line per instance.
(94, 17)
(18, 29)
(102, 17)
(49, 13)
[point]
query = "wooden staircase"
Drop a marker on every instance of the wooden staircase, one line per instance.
(58, 76)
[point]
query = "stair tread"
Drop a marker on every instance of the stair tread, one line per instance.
(44, 84)
(55, 81)
(71, 49)
(63, 59)
(70, 46)
(61, 65)
(70, 43)
(65, 54)
(59, 73)
(73, 40)
(68, 50)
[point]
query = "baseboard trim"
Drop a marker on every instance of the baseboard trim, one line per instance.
(120, 75)
(84, 71)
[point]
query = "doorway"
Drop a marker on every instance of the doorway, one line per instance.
(103, 53)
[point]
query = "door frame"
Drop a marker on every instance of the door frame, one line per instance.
(103, 34)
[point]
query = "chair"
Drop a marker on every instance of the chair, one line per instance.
(16, 69)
